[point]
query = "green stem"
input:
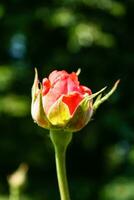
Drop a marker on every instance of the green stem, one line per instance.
(60, 140)
(14, 193)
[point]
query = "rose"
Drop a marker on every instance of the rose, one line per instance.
(60, 102)
(66, 86)
(62, 105)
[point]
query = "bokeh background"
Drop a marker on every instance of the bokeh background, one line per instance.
(98, 37)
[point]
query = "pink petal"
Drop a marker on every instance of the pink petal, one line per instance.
(85, 90)
(56, 75)
(72, 87)
(72, 100)
(55, 92)
(46, 86)
(74, 77)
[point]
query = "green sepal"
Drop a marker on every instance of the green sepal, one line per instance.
(100, 100)
(90, 97)
(81, 116)
(37, 111)
(59, 113)
(83, 113)
(35, 86)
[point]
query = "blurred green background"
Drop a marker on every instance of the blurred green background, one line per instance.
(98, 37)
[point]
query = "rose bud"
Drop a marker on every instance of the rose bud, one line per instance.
(60, 102)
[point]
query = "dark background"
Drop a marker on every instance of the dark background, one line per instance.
(98, 37)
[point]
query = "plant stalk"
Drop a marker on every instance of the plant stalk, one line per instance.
(14, 193)
(60, 140)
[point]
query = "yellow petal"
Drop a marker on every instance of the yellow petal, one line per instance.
(59, 113)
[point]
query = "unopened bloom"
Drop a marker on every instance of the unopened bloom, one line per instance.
(60, 102)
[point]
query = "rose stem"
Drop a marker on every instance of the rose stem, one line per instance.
(14, 193)
(60, 140)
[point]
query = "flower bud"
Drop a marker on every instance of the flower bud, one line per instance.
(60, 102)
